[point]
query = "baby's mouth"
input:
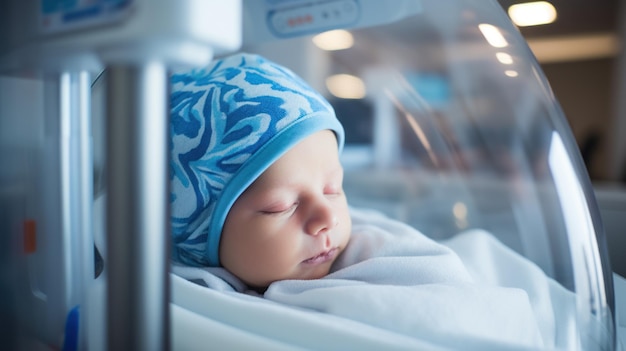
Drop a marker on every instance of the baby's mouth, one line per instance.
(323, 257)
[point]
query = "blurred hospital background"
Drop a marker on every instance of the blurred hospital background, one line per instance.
(581, 55)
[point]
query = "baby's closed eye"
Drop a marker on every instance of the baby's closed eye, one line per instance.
(283, 208)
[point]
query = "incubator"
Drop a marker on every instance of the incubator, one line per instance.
(451, 127)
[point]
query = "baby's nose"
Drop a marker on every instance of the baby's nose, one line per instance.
(322, 218)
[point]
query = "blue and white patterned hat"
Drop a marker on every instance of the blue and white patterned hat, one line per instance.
(229, 122)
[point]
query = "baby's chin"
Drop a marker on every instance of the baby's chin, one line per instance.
(317, 272)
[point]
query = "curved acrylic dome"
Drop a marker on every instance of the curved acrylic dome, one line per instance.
(460, 131)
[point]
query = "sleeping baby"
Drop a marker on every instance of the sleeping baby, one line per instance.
(257, 201)
(257, 183)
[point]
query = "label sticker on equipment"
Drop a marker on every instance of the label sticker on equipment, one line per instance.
(66, 15)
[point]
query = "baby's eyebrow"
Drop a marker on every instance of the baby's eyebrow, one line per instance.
(266, 190)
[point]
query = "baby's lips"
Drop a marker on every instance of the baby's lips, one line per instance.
(322, 257)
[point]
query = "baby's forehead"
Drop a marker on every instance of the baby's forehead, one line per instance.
(276, 179)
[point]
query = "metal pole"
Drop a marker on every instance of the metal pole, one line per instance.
(77, 196)
(137, 207)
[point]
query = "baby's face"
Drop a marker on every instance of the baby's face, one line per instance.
(293, 221)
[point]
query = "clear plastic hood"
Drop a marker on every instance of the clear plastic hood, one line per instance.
(458, 129)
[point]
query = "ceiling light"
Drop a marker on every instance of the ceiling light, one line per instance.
(504, 58)
(511, 73)
(346, 86)
(459, 210)
(338, 39)
(493, 35)
(577, 47)
(532, 13)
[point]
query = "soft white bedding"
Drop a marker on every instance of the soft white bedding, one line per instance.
(392, 288)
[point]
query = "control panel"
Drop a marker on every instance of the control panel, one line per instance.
(308, 19)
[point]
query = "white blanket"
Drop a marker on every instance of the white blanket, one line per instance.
(472, 291)
(393, 277)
